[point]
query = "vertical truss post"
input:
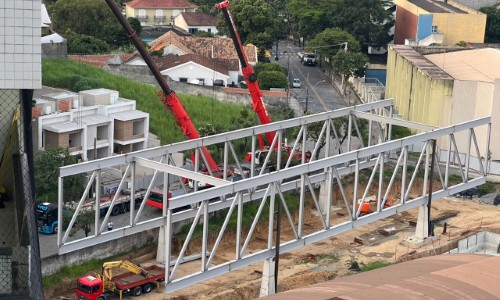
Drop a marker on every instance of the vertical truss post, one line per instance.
(204, 242)
(328, 137)
(329, 195)
(132, 193)
(60, 210)
(380, 182)
(98, 203)
(349, 133)
(226, 158)
(447, 168)
(356, 207)
(252, 160)
(391, 115)
(404, 175)
(302, 185)
(166, 192)
(487, 151)
(426, 166)
(429, 194)
(272, 197)
(239, 226)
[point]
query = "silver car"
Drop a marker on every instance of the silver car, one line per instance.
(296, 83)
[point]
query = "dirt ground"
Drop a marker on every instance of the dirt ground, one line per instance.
(332, 257)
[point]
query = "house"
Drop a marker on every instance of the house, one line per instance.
(431, 22)
(216, 49)
(92, 124)
(192, 68)
(157, 12)
(447, 88)
(193, 22)
(20, 74)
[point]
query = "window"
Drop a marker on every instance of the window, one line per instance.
(142, 13)
(193, 30)
(183, 79)
(434, 29)
(159, 13)
(201, 81)
(209, 30)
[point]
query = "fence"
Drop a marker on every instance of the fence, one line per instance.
(20, 274)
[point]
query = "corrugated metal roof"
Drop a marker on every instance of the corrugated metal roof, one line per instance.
(437, 6)
(449, 276)
(421, 62)
(476, 64)
(129, 115)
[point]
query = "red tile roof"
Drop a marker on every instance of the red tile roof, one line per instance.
(170, 61)
(198, 19)
(99, 60)
(222, 48)
(160, 4)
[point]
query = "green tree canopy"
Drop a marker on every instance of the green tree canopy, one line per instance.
(47, 165)
(272, 79)
(367, 20)
(85, 44)
(259, 67)
(90, 18)
(350, 64)
(256, 21)
(328, 42)
(492, 34)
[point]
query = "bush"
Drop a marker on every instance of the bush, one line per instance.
(86, 83)
(399, 132)
(84, 44)
(272, 79)
(486, 188)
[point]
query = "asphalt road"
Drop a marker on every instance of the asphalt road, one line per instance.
(316, 90)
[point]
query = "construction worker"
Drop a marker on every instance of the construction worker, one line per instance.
(110, 225)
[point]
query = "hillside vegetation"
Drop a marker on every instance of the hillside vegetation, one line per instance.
(76, 76)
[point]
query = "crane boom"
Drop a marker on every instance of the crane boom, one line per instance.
(167, 96)
(248, 72)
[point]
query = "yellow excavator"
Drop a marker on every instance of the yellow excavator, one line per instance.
(136, 281)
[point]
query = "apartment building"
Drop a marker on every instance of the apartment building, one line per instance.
(92, 124)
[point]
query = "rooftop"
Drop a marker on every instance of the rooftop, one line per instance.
(222, 48)
(170, 61)
(94, 119)
(434, 6)
(62, 127)
(476, 64)
(160, 4)
(421, 62)
(198, 19)
(129, 115)
(448, 276)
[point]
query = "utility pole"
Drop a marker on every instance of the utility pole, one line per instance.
(307, 99)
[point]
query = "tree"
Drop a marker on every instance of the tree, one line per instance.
(256, 21)
(47, 165)
(85, 44)
(329, 42)
(350, 64)
(492, 34)
(272, 79)
(259, 67)
(85, 220)
(90, 18)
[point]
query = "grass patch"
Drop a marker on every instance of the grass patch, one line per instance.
(486, 188)
(327, 258)
(374, 265)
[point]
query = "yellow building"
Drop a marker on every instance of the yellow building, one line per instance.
(157, 12)
(447, 88)
(429, 22)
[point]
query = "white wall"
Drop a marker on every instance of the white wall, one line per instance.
(20, 44)
(193, 71)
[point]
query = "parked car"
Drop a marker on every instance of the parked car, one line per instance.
(470, 193)
(296, 83)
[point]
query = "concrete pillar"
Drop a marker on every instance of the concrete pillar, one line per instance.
(268, 278)
(422, 229)
(160, 252)
(324, 202)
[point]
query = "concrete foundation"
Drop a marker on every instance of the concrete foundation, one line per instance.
(160, 252)
(268, 278)
(324, 202)
(422, 229)
(481, 243)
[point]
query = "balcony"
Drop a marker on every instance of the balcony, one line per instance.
(142, 18)
(160, 18)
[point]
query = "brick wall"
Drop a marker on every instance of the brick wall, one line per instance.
(124, 130)
(56, 139)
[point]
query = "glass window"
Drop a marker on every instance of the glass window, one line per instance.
(142, 12)
(434, 29)
(159, 12)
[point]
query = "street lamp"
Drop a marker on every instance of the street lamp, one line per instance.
(307, 93)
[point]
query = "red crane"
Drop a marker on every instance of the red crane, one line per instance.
(253, 86)
(248, 72)
(167, 95)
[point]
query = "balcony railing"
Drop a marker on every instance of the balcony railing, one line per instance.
(142, 17)
(160, 18)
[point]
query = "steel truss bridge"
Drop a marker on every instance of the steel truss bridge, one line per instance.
(338, 167)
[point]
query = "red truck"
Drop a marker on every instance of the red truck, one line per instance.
(135, 281)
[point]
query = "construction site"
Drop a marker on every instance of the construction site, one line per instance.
(318, 197)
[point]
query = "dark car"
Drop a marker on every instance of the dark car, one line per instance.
(470, 193)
